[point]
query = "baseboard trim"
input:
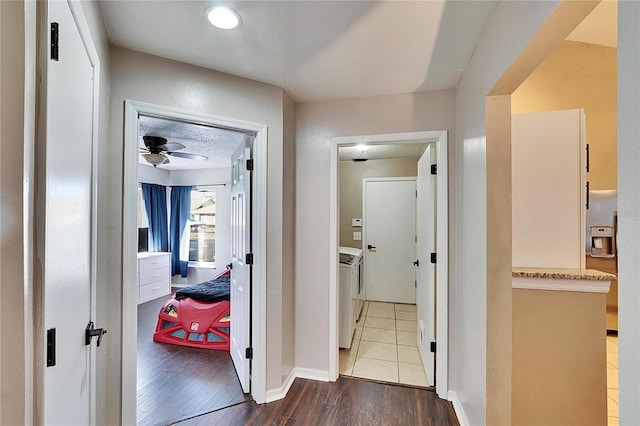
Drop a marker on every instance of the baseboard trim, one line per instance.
(303, 373)
(281, 392)
(457, 407)
(312, 374)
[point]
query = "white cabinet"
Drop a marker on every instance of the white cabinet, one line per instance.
(154, 276)
(548, 189)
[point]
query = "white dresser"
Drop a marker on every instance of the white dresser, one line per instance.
(154, 276)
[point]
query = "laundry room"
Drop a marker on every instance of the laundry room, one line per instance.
(378, 332)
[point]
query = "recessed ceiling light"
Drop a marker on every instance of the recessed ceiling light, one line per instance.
(222, 17)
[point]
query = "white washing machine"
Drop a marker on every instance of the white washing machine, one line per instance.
(351, 293)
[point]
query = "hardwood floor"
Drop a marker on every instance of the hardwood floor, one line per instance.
(348, 401)
(176, 382)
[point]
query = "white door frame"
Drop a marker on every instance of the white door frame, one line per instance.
(365, 252)
(129, 244)
(439, 137)
(32, 392)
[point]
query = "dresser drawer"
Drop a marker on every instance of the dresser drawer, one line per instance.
(153, 262)
(153, 275)
(154, 290)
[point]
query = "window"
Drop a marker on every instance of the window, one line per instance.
(142, 211)
(202, 224)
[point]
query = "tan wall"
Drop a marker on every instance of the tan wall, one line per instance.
(580, 75)
(12, 219)
(351, 175)
(559, 358)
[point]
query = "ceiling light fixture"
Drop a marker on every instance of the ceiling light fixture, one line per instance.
(222, 17)
(155, 159)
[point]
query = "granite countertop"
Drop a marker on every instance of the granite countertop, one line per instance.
(563, 274)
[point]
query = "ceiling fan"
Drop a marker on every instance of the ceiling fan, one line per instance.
(157, 151)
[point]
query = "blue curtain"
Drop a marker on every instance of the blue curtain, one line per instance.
(180, 211)
(155, 202)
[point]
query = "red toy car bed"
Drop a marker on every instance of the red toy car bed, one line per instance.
(198, 316)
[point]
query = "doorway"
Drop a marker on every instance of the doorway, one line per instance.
(246, 366)
(185, 332)
(439, 139)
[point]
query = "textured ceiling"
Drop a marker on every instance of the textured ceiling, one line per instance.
(217, 144)
(600, 26)
(315, 50)
(381, 152)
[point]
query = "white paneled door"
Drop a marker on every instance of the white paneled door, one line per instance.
(390, 239)
(241, 269)
(425, 270)
(67, 219)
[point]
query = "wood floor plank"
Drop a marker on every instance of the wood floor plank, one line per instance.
(348, 402)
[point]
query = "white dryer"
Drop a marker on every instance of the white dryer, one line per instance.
(351, 293)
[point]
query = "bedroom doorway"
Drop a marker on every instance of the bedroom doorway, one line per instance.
(181, 364)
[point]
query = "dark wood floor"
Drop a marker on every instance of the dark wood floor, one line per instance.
(349, 401)
(176, 382)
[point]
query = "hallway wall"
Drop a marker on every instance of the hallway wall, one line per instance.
(315, 123)
(159, 81)
(480, 380)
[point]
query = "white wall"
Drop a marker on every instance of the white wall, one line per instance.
(629, 210)
(315, 122)
(150, 174)
(147, 78)
(510, 27)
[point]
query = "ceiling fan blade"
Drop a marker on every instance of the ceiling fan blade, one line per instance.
(170, 146)
(189, 156)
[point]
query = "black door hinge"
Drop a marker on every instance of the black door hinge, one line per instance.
(55, 48)
(250, 165)
(51, 347)
(434, 257)
(248, 353)
(248, 259)
(432, 347)
(434, 169)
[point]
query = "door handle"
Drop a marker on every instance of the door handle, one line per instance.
(416, 262)
(90, 333)
(370, 247)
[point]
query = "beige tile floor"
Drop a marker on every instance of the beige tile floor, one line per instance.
(612, 380)
(384, 345)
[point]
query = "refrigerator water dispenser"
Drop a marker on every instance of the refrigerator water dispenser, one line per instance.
(603, 241)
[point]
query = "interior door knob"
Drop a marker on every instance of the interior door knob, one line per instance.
(416, 262)
(370, 247)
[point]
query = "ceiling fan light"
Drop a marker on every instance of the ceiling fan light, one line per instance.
(155, 159)
(223, 17)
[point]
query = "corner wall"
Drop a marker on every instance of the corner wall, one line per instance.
(315, 123)
(478, 380)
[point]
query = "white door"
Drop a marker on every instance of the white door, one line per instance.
(241, 271)
(425, 270)
(389, 245)
(67, 274)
